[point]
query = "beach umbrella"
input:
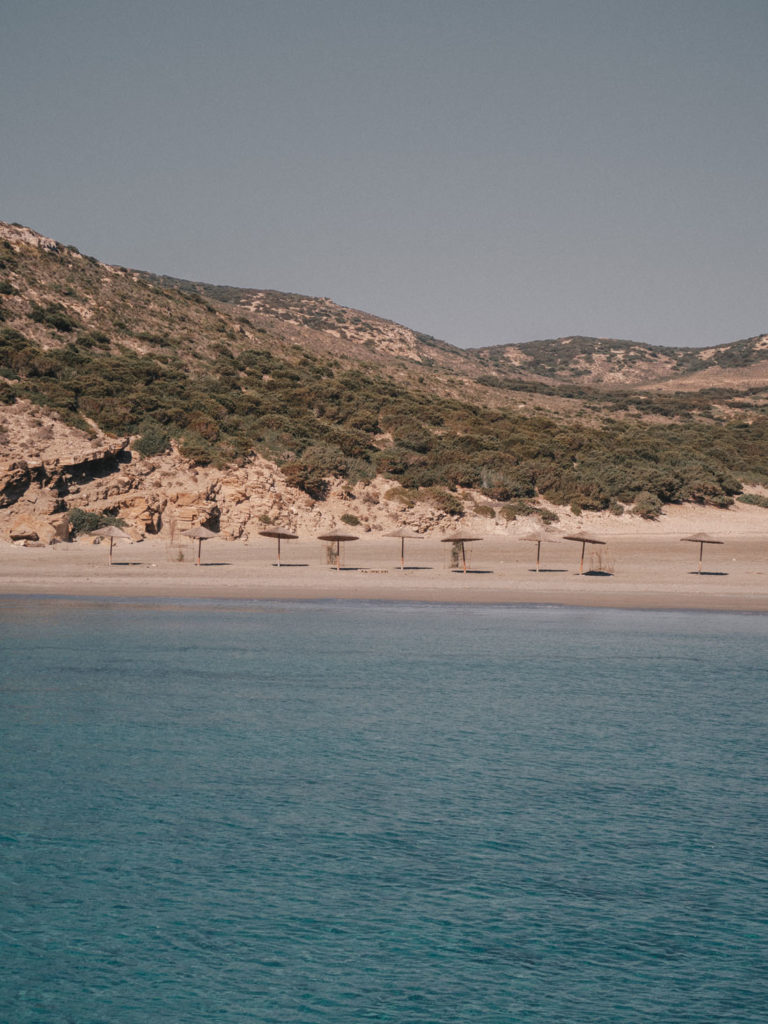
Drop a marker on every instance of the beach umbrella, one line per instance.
(584, 539)
(279, 535)
(198, 533)
(337, 538)
(701, 539)
(461, 539)
(113, 533)
(538, 539)
(404, 535)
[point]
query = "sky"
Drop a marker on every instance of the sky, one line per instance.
(484, 171)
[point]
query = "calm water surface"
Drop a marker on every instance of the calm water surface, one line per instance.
(284, 812)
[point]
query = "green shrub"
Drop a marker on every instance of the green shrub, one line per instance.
(754, 499)
(513, 509)
(502, 479)
(411, 434)
(350, 519)
(311, 471)
(488, 511)
(721, 501)
(54, 316)
(402, 496)
(82, 521)
(392, 461)
(647, 505)
(196, 448)
(93, 339)
(153, 438)
(443, 500)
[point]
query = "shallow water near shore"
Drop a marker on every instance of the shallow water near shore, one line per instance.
(338, 812)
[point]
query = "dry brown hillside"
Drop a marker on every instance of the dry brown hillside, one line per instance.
(163, 402)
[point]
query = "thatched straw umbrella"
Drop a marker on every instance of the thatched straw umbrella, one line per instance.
(461, 539)
(584, 539)
(337, 538)
(198, 533)
(538, 539)
(113, 533)
(279, 535)
(701, 539)
(404, 535)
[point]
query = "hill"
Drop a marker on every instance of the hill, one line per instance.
(248, 404)
(611, 363)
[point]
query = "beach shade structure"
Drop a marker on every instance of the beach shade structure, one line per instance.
(584, 539)
(538, 539)
(338, 539)
(279, 535)
(113, 533)
(461, 539)
(404, 535)
(198, 533)
(701, 539)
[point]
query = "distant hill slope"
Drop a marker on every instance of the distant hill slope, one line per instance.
(324, 325)
(224, 376)
(602, 362)
(609, 362)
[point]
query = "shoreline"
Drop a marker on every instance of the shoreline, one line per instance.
(705, 607)
(643, 572)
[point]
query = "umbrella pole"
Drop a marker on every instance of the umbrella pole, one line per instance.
(402, 553)
(538, 554)
(338, 555)
(278, 552)
(199, 548)
(111, 542)
(701, 555)
(581, 564)
(463, 556)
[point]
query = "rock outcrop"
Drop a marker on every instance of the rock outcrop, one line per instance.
(48, 468)
(167, 494)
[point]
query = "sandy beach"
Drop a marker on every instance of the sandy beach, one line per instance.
(642, 565)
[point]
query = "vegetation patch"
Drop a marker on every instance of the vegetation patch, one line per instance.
(754, 499)
(81, 521)
(647, 506)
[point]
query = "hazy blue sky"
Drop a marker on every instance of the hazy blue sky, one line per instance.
(488, 172)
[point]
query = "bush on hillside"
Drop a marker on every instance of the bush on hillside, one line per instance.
(647, 506)
(82, 521)
(153, 438)
(513, 509)
(754, 499)
(54, 315)
(443, 500)
(196, 448)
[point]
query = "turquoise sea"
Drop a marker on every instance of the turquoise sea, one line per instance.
(334, 812)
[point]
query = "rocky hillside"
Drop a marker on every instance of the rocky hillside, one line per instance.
(165, 402)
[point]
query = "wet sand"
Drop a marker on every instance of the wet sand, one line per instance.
(648, 570)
